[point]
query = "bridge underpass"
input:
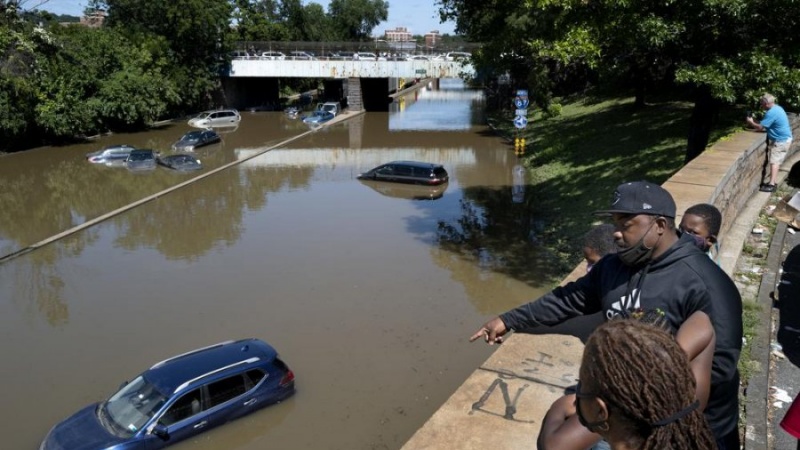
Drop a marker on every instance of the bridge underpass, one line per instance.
(358, 85)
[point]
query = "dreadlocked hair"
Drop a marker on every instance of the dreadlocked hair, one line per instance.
(643, 375)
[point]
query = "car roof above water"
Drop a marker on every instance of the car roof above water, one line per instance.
(171, 373)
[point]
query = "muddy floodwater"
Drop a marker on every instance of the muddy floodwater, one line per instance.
(368, 291)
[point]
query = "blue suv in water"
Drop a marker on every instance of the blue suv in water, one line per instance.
(179, 398)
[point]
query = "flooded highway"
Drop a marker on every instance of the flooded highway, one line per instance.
(368, 291)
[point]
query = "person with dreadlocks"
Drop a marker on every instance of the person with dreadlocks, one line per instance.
(634, 407)
(655, 268)
(695, 337)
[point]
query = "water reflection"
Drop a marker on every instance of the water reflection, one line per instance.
(406, 191)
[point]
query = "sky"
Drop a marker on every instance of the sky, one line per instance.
(418, 16)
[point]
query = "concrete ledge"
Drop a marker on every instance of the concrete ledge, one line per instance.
(502, 403)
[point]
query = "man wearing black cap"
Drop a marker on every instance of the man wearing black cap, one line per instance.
(654, 269)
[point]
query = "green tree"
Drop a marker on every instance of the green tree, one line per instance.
(355, 19)
(726, 50)
(18, 46)
(257, 20)
(195, 31)
(94, 79)
(317, 25)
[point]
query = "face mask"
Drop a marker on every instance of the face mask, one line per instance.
(700, 242)
(638, 253)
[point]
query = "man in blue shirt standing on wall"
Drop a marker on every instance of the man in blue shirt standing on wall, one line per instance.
(779, 137)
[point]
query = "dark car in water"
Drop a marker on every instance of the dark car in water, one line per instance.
(196, 139)
(141, 159)
(179, 398)
(181, 162)
(411, 172)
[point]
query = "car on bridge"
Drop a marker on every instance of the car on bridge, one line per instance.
(298, 55)
(458, 56)
(273, 56)
(179, 398)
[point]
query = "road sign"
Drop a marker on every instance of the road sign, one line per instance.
(520, 121)
(421, 72)
(521, 102)
(522, 92)
(521, 112)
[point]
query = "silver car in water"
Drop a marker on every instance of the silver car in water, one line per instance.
(216, 118)
(113, 155)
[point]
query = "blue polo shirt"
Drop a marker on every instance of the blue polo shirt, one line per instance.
(777, 124)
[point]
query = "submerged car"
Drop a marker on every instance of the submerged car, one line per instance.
(181, 162)
(332, 107)
(318, 117)
(196, 139)
(179, 398)
(141, 159)
(292, 112)
(111, 155)
(411, 172)
(217, 118)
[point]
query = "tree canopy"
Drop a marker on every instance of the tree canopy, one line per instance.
(726, 51)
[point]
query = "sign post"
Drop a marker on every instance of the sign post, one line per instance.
(520, 119)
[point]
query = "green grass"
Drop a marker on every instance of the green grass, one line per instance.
(751, 326)
(576, 160)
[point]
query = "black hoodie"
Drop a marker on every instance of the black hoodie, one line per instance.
(680, 282)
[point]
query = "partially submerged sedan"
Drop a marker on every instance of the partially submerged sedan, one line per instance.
(111, 155)
(196, 139)
(181, 162)
(179, 398)
(141, 159)
(318, 117)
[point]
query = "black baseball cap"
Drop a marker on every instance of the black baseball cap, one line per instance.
(641, 197)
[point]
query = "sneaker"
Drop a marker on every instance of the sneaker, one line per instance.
(767, 188)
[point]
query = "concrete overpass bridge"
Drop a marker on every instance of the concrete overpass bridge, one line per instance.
(358, 84)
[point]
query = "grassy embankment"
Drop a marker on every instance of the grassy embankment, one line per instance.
(577, 159)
